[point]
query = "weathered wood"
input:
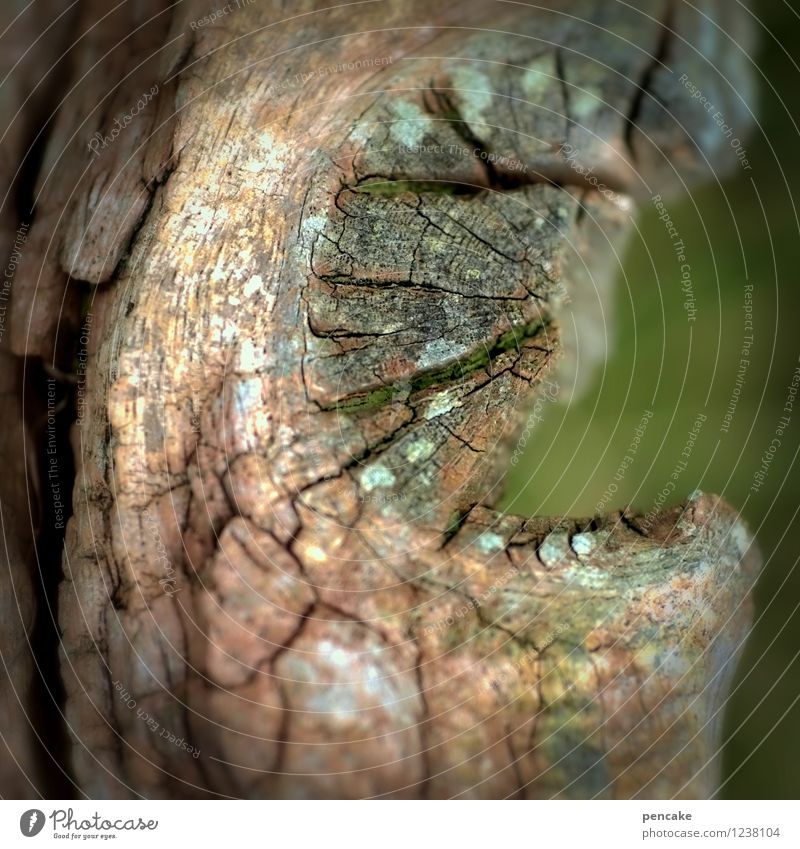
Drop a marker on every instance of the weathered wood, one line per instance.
(319, 325)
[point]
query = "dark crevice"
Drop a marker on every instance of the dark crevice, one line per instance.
(381, 186)
(464, 226)
(633, 526)
(366, 283)
(515, 764)
(425, 753)
(38, 114)
(556, 173)
(646, 83)
(28, 174)
(562, 79)
(461, 439)
(282, 737)
(441, 377)
(457, 520)
(497, 179)
(48, 421)
(50, 409)
(118, 741)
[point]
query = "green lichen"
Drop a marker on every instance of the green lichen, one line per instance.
(366, 401)
(512, 339)
(460, 369)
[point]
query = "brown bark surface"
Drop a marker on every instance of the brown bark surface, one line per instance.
(311, 306)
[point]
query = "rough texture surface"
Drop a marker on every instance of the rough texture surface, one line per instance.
(322, 309)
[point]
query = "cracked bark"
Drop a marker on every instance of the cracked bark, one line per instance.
(311, 348)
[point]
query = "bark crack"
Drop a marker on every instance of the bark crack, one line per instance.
(644, 88)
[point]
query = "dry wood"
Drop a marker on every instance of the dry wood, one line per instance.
(326, 296)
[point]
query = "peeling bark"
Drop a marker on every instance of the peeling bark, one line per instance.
(310, 347)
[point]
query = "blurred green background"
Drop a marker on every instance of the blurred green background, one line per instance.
(744, 230)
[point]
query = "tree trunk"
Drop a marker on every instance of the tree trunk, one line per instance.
(310, 269)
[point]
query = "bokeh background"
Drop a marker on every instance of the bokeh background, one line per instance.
(744, 230)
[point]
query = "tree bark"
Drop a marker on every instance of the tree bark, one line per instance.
(313, 287)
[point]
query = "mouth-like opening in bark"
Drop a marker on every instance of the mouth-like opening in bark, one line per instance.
(558, 174)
